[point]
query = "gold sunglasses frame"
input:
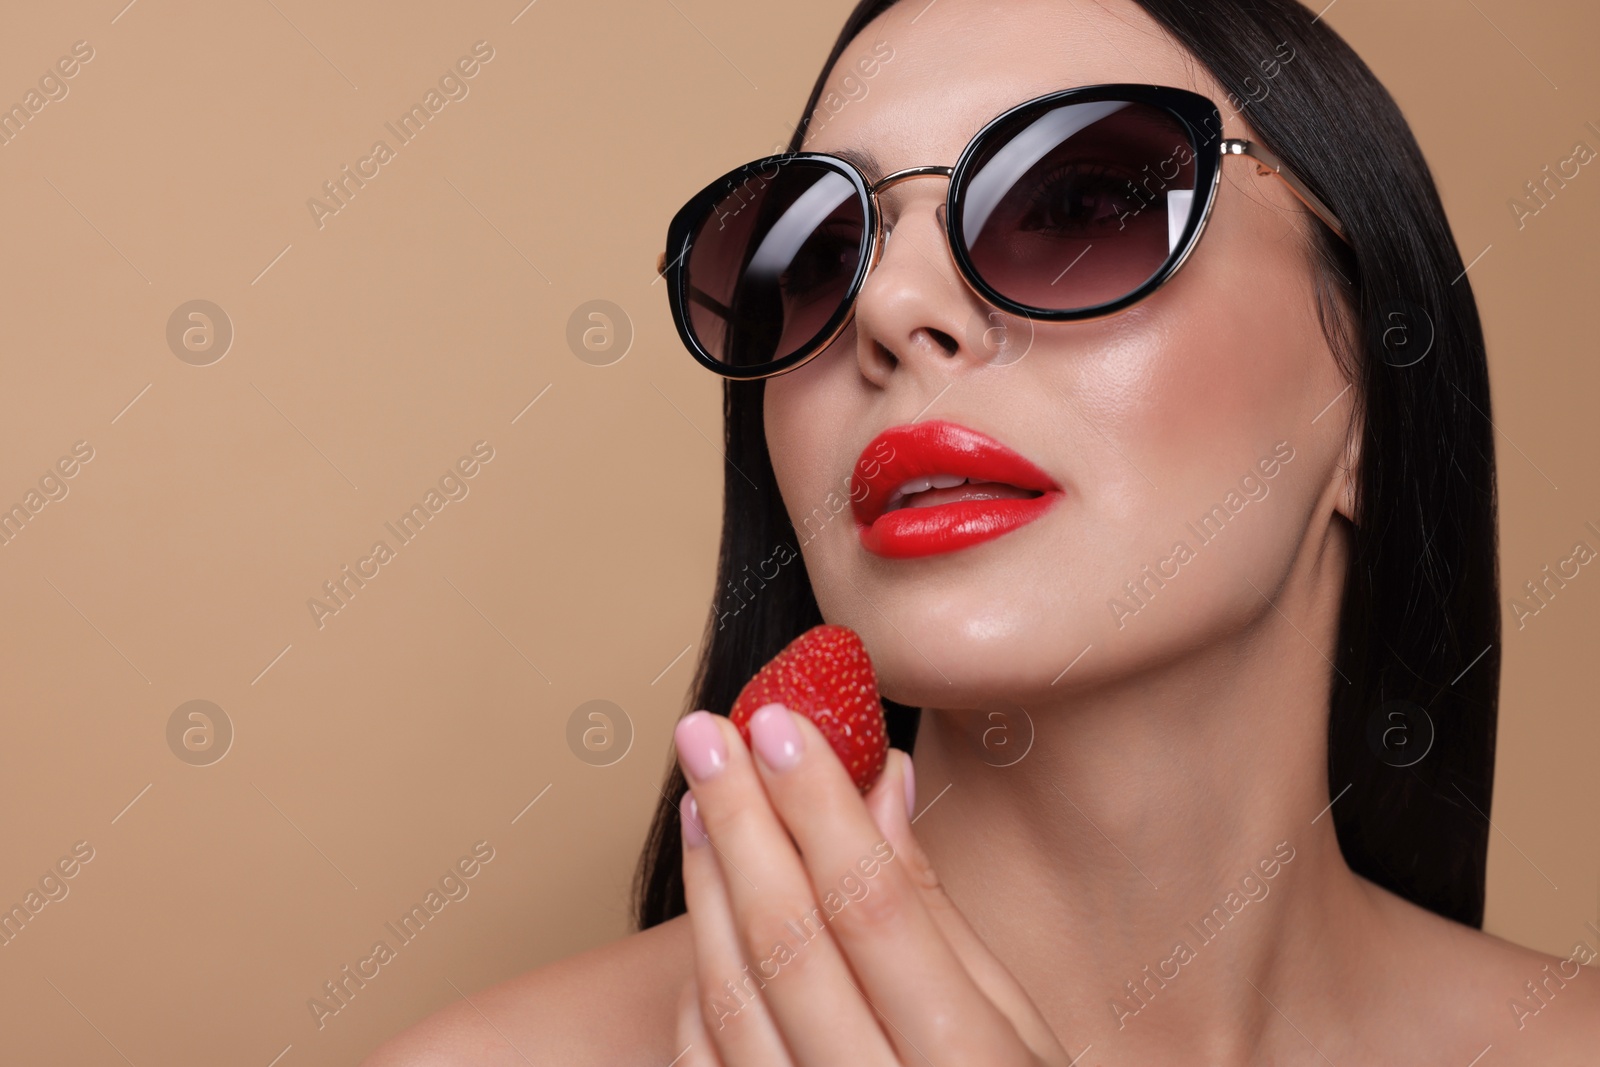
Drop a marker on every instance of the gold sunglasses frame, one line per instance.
(1267, 163)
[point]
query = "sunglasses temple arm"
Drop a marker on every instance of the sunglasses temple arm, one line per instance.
(1268, 163)
(705, 299)
(697, 294)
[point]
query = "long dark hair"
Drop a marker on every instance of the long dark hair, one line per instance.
(1419, 627)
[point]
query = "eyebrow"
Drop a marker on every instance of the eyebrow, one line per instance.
(863, 159)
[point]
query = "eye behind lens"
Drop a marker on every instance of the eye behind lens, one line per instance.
(774, 259)
(1075, 206)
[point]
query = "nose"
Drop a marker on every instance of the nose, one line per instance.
(913, 310)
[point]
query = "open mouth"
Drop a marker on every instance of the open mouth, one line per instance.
(943, 487)
(936, 489)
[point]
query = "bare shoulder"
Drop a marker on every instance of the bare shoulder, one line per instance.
(615, 1004)
(1531, 1007)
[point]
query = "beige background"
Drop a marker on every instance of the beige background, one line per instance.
(369, 354)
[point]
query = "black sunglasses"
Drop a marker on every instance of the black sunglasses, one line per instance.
(1070, 206)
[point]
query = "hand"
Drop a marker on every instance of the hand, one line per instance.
(821, 933)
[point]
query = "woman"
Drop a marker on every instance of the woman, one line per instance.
(1199, 662)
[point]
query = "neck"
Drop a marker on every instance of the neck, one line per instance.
(1130, 852)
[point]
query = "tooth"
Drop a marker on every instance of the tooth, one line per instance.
(946, 481)
(916, 485)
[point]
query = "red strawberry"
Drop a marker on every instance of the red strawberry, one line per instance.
(825, 675)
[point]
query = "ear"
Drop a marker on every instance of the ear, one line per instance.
(1350, 473)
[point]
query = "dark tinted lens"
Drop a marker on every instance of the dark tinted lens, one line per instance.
(769, 268)
(1078, 205)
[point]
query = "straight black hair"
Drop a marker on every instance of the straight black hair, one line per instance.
(1419, 627)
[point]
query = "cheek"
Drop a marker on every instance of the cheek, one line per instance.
(1201, 384)
(1219, 385)
(809, 423)
(1189, 395)
(790, 437)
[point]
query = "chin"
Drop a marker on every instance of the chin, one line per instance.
(934, 645)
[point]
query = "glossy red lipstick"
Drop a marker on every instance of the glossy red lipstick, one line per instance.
(944, 487)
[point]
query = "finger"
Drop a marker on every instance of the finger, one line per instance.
(909, 972)
(801, 974)
(733, 1015)
(694, 1045)
(891, 802)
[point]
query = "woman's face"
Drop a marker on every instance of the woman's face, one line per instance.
(1197, 437)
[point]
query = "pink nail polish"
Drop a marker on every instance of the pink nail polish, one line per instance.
(700, 746)
(694, 831)
(775, 738)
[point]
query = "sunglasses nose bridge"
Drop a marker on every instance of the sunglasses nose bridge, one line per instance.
(888, 181)
(898, 176)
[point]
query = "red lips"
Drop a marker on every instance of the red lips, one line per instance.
(1003, 490)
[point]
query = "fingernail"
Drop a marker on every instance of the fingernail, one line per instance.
(694, 832)
(911, 786)
(776, 739)
(700, 747)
